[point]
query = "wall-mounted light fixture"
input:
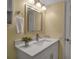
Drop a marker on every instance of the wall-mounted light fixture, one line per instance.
(31, 1)
(38, 4)
(43, 8)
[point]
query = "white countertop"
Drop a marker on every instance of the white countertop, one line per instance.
(36, 47)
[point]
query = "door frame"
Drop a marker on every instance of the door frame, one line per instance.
(64, 49)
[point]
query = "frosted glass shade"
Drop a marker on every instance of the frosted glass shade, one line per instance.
(31, 1)
(38, 4)
(43, 8)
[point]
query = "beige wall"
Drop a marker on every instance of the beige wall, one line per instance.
(53, 25)
(54, 20)
(11, 29)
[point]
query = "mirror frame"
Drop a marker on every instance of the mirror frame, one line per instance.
(26, 6)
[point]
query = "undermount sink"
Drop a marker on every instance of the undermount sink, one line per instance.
(41, 42)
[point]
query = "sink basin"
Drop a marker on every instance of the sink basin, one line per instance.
(41, 42)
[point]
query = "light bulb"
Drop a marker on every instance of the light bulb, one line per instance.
(43, 8)
(38, 4)
(31, 1)
(24, 3)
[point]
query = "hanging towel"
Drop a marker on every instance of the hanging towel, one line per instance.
(19, 24)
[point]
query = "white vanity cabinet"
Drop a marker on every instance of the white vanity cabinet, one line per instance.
(50, 52)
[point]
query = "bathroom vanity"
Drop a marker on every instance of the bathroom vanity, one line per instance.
(45, 48)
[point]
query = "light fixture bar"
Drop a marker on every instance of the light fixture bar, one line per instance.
(38, 4)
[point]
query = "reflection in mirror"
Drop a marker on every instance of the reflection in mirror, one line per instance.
(34, 20)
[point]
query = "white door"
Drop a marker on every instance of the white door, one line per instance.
(67, 29)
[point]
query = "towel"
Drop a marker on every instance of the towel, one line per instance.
(19, 24)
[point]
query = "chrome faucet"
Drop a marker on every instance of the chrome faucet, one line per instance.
(37, 36)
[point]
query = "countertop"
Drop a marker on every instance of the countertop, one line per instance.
(35, 47)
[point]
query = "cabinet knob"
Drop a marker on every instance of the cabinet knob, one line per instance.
(68, 39)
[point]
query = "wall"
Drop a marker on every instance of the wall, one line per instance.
(55, 20)
(11, 30)
(54, 23)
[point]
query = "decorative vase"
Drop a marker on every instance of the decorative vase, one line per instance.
(26, 44)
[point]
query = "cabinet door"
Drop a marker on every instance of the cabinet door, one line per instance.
(55, 50)
(22, 55)
(49, 53)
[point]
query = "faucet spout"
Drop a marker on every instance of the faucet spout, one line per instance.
(37, 36)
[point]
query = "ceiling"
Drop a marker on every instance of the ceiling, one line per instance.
(48, 2)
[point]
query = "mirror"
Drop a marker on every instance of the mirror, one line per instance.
(34, 20)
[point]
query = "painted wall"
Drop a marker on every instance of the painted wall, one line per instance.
(11, 30)
(54, 23)
(54, 20)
